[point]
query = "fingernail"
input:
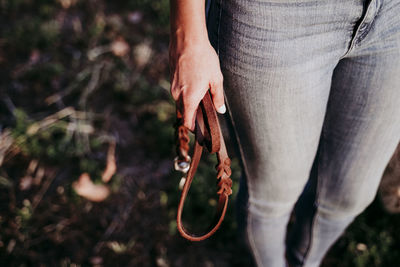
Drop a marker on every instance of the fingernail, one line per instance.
(221, 109)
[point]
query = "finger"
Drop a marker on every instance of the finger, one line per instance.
(175, 91)
(179, 107)
(217, 92)
(190, 105)
(189, 116)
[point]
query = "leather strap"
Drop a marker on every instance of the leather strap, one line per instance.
(207, 133)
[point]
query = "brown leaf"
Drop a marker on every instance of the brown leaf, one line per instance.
(67, 3)
(25, 183)
(142, 54)
(87, 189)
(111, 166)
(120, 47)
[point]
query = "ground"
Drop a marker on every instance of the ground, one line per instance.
(84, 89)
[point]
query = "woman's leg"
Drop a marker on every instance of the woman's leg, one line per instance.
(277, 58)
(360, 133)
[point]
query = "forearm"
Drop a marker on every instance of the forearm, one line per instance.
(194, 64)
(188, 23)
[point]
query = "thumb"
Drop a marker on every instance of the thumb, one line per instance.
(217, 92)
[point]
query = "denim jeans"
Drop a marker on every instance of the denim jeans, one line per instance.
(313, 93)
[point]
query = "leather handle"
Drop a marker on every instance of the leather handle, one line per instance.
(207, 133)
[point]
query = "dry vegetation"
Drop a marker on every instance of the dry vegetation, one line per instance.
(86, 147)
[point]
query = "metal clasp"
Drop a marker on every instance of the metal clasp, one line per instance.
(183, 167)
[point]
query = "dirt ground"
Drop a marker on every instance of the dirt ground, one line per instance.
(87, 143)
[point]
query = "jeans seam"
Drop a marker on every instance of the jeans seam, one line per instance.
(219, 24)
(357, 34)
(316, 201)
(251, 240)
(249, 218)
(313, 227)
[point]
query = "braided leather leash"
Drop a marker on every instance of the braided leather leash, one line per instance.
(207, 133)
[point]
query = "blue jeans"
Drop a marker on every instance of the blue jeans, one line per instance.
(313, 92)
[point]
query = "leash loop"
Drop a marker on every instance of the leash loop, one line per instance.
(207, 134)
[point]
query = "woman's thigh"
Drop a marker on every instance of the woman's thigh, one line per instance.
(362, 125)
(277, 58)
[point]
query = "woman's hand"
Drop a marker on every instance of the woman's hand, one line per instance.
(194, 69)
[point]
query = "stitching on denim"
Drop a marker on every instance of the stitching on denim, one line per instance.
(248, 219)
(251, 241)
(313, 227)
(317, 199)
(356, 36)
(219, 24)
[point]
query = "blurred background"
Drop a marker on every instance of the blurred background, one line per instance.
(87, 144)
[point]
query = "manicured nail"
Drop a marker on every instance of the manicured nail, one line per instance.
(221, 109)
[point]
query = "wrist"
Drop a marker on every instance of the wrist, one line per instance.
(186, 36)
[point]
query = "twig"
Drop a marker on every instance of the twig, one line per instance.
(6, 141)
(120, 220)
(94, 81)
(79, 78)
(43, 190)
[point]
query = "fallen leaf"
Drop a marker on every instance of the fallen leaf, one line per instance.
(120, 47)
(87, 189)
(67, 3)
(25, 183)
(39, 175)
(142, 54)
(111, 166)
(34, 56)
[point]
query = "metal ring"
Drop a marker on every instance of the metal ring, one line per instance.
(182, 166)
